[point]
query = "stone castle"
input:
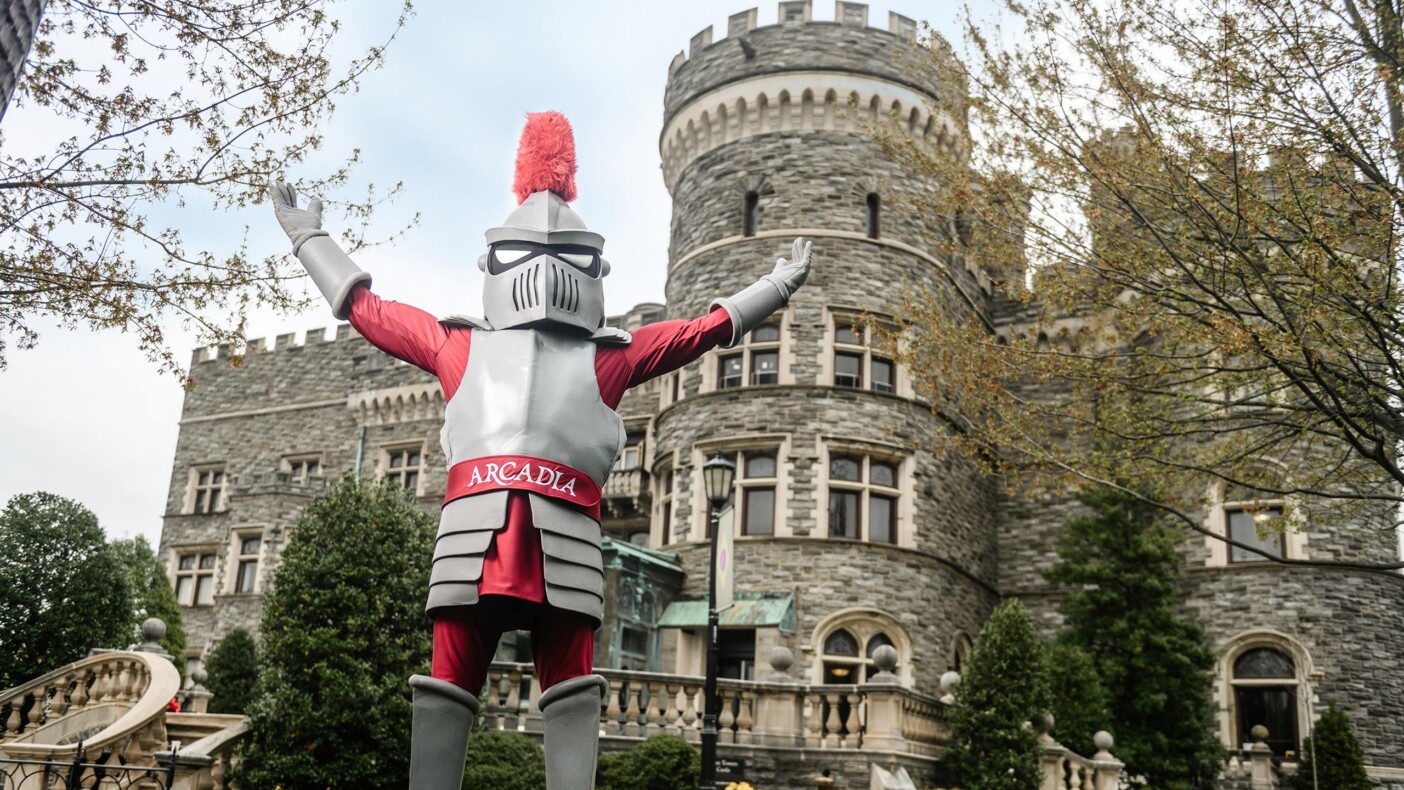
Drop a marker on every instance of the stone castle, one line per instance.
(850, 537)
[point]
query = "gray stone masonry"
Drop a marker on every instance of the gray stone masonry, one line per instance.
(1348, 622)
(929, 598)
(813, 46)
(249, 417)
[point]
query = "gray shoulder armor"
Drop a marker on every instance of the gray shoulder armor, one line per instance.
(468, 321)
(612, 336)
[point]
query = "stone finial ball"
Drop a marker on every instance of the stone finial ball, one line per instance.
(949, 681)
(781, 659)
(1259, 733)
(153, 629)
(1043, 722)
(1103, 740)
(199, 675)
(885, 657)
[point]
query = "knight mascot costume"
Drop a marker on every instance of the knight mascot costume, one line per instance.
(530, 434)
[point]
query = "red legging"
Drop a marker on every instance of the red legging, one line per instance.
(465, 638)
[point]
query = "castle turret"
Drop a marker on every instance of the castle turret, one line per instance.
(768, 135)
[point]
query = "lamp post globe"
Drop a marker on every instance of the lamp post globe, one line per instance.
(718, 474)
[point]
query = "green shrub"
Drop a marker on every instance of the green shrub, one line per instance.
(504, 761)
(152, 595)
(1331, 756)
(233, 673)
(343, 628)
(1122, 568)
(1078, 698)
(615, 771)
(662, 762)
(1004, 686)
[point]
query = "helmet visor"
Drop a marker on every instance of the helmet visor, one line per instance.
(507, 255)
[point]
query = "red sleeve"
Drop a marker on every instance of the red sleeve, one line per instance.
(658, 349)
(399, 330)
(413, 335)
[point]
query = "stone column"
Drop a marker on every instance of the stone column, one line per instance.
(196, 698)
(1106, 768)
(780, 703)
(1263, 775)
(884, 703)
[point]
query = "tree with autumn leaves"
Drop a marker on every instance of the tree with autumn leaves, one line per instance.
(1209, 197)
(122, 111)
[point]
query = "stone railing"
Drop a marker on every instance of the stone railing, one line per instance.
(1064, 770)
(880, 715)
(109, 713)
(623, 484)
(1253, 768)
(206, 748)
(112, 702)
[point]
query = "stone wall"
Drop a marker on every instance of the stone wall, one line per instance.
(929, 598)
(1348, 622)
(249, 414)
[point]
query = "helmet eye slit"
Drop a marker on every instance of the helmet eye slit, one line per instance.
(511, 254)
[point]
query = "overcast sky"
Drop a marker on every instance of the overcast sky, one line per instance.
(85, 415)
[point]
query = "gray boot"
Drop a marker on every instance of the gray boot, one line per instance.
(443, 717)
(570, 714)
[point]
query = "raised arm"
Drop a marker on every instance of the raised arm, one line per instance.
(668, 345)
(399, 330)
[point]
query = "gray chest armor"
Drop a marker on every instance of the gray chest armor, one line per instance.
(530, 393)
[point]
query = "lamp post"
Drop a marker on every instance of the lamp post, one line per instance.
(717, 476)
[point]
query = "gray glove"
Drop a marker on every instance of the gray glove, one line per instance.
(789, 275)
(755, 303)
(299, 224)
(333, 272)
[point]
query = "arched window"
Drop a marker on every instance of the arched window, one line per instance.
(849, 660)
(874, 207)
(748, 222)
(959, 654)
(1265, 691)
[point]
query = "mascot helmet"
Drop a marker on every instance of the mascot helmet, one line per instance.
(543, 265)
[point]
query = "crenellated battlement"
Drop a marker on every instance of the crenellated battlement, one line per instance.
(283, 342)
(798, 41)
(796, 12)
(802, 74)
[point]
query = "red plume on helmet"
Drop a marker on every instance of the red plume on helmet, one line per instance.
(546, 157)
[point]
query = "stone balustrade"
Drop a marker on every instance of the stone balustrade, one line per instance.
(108, 715)
(775, 713)
(623, 484)
(1064, 770)
(114, 700)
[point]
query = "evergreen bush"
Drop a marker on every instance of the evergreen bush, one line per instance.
(504, 761)
(233, 673)
(63, 590)
(1077, 697)
(661, 762)
(343, 628)
(1121, 568)
(1004, 687)
(1331, 756)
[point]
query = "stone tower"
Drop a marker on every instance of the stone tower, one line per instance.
(841, 519)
